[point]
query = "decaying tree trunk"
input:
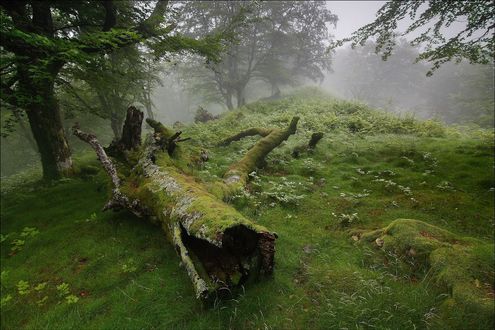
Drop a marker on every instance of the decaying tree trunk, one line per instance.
(219, 247)
(131, 134)
(315, 138)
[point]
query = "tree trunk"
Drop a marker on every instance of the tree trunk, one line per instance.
(219, 247)
(45, 120)
(25, 130)
(148, 104)
(36, 72)
(228, 101)
(241, 98)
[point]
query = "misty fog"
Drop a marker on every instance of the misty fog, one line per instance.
(247, 164)
(457, 93)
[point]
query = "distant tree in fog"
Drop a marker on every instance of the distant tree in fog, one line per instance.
(278, 42)
(457, 93)
(362, 75)
(461, 93)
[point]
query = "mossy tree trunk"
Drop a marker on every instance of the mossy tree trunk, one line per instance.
(45, 121)
(219, 247)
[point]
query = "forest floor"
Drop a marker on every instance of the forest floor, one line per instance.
(66, 264)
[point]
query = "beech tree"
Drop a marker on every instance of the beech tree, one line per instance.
(39, 38)
(278, 42)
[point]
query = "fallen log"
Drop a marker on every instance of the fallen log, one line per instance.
(219, 247)
(238, 173)
(249, 132)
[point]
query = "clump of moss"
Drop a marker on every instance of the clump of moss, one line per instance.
(461, 266)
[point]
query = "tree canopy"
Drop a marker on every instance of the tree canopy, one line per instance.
(474, 41)
(278, 42)
(42, 38)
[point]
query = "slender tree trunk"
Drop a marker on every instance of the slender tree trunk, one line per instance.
(275, 90)
(228, 101)
(241, 98)
(117, 115)
(148, 104)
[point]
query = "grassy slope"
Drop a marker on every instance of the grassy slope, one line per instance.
(127, 276)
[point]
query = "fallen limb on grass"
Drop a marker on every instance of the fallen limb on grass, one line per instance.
(219, 247)
(315, 138)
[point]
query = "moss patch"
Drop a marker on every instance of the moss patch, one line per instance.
(462, 266)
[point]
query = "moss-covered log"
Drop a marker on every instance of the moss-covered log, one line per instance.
(249, 132)
(219, 247)
(238, 173)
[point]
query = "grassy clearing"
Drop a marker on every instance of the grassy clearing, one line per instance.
(75, 267)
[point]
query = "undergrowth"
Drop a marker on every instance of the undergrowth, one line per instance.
(65, 264)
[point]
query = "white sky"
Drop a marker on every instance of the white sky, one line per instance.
(352, 15)
(355, 14)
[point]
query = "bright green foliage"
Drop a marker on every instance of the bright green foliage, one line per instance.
(129, 266)
(23, 287)
(71, 299)
(322, 278)
(63, 289)
(474, 42)
(4, 300)
(17, 245)
(40, 286)
(29, 232)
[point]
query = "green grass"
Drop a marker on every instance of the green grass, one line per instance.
(379, 167)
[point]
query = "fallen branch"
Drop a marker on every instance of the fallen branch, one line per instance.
(118, 200)
(315, 138)
(238, 173)
(249, 132)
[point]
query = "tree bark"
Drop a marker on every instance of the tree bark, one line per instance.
(45, 121)
(116, 125)
(228, 101)
(219, 247)
(36, 92)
